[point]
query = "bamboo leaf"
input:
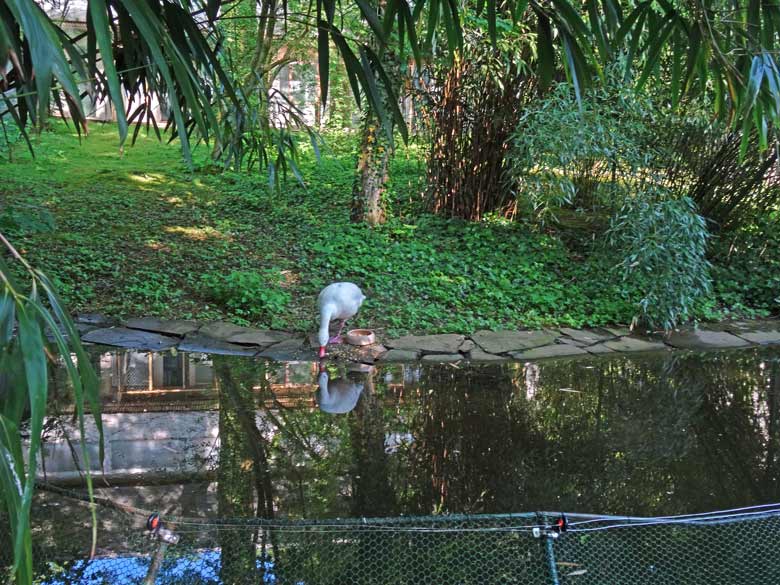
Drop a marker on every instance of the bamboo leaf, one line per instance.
(677, 54)
(654, 51)
(12, 489)
(518, 9)
(369, 13)
(572, 67)
(372, 92)
(544, 50)
(31, 344)
(323, 54)
(433, 21)
(149, 27)
(570, 17)
(351, 63)
(46, 53)
(491, 18)
(403, 9)
(598, 31)
(628, 24)
(392, 99)
(99, 22)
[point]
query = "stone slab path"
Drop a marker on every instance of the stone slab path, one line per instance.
(217, 337)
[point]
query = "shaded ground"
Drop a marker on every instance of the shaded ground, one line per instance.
(139, 235)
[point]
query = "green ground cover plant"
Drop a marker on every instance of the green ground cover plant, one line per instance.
(138, 234)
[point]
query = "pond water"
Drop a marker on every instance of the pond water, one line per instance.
(648, 434)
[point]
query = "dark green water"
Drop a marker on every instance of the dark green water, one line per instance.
(643, 435)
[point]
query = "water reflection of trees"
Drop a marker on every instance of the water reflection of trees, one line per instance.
(682, 432)
(244, 486)
(657, 434)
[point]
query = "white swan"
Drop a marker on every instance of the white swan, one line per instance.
(337, 396)
(337, 302)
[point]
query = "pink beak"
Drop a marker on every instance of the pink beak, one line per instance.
(322, 351)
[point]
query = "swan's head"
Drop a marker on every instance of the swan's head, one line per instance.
(323, 338)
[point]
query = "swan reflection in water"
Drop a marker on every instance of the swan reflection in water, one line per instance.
(340, 395)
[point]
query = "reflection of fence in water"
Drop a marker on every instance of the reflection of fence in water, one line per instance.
(731, 547)
(164, 380)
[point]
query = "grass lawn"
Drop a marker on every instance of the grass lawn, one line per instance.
(137, 234)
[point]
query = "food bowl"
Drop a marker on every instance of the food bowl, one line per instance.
(360, 337)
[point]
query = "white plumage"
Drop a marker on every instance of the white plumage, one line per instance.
(338, 396)
(337, 302)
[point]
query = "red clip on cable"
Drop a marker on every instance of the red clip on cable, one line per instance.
(153, 523)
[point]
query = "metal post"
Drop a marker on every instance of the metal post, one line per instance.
(154, 568)
(551, 559)
(166, 537)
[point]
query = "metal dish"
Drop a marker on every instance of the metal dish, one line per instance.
(360, 337)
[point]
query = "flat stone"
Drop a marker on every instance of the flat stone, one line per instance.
(197, 343)
(587, 336)
(400, 355)
(95, 319)
(744, 326)
(467, 346)
(548, 351)
(628, 344)
(618, 331)
(289, 350)
(508, 341)
(262, 337)
(598, 349)
(221, 330)
(446, 343)
(442, 358)
(767, 337)
(702, 339)
(179, 327)
(130, 338)
(570, 341)
(81, 330)
(370, 353)
(477, 355)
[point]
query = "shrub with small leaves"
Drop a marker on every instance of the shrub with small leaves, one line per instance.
(586, 153)
(249, 295)
(663, 245)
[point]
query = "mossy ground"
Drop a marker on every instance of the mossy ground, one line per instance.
(139, 234)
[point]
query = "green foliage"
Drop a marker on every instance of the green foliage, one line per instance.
(587, 155)
(22, 218)
(135, 235)
(746, 272)
(249, 295)
(26, 320)
(663, 243)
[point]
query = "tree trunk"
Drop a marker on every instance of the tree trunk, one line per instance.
(376, 149)
(372, 173)
(372, 492)
(244, 484)
(235, 480)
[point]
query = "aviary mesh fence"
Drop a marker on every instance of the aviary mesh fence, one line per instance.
(735, 547)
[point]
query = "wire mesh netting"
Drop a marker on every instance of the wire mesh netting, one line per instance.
(738, 547)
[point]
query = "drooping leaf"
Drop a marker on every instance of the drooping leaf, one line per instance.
(102, 32)
(323, 55)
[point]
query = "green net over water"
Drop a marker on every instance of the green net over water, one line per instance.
(732, 547)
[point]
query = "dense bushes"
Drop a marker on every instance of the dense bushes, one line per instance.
(475, 109)
(249, 295)
(746, 270)
(136, 234)
(663, 245)
(587, 155)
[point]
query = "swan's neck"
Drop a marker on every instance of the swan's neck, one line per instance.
(326, 312)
